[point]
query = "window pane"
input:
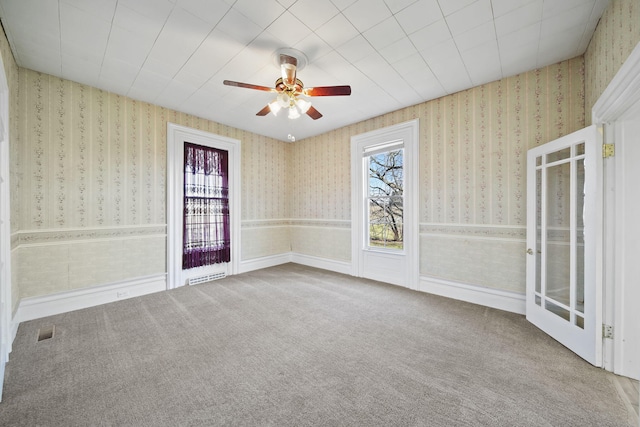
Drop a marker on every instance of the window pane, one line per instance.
(385, 199)
(559, 155)
(538, 248)
(579, 295)
(558, 248)
(386, 174)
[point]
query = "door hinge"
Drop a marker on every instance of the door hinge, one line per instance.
(607, 331)
(608, 150)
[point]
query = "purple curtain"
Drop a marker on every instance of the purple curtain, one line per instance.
(206, 236)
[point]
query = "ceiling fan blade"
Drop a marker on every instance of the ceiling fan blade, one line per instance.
(327, 90)
(248, 86)
(266, 110)
(313, 113)
(288, 65)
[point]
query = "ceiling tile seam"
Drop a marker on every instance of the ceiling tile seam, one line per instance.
(388, 63)
(361, 32)
(304, 23)
(584, 31)
(417, 51)
(150, 50)
(400, 10)
(427, 62)
(12, 46)
(457, 49)
(364, 71)
(60, 35)
(495, 31)
(264, 29)
(106, 47)
(538, 39)
(203, 41)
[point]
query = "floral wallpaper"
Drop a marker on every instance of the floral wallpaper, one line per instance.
(11, 72)
(616, 35)
(91, 183)
(99, 159)
(472, 177)
(88, 174)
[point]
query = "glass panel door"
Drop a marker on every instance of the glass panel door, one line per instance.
(562, 291)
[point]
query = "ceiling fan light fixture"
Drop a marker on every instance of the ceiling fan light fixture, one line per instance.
(288, 87)
(283, 100)
(274, 106)
(293, 113)
(303, 105)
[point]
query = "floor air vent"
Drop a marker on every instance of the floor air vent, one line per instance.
(207, 278)
(46, 333)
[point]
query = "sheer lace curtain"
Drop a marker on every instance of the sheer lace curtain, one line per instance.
(206, 235)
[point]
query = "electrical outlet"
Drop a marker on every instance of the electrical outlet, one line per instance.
(122, 294)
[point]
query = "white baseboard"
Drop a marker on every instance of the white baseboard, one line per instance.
(3, 363)
(48, 305)
(323, 263)
(62, 302)
(264, 262)
(14, 328)
(495, 298)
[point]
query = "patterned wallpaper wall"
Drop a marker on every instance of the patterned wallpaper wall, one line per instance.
(12, 71)
(91, 180)
(97, 159)
(473, 148)
(88, 173)
(617, 34)
(474, 143)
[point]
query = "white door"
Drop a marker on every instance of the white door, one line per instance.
(564, 223)
(384, 204)
(177, 136)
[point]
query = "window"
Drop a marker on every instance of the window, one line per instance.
(206, 237)
(385, 195)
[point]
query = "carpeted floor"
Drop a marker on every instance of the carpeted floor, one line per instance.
(296, 346)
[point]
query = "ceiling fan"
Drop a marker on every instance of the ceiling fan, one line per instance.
(289, 88)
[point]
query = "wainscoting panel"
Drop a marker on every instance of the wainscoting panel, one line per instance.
(264, 238)
(322, 239)
(52, 262)
(487, 256)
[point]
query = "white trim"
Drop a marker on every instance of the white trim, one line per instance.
(176, 136)
(63, 302)
(6, 300)
(624, 204)
(409, 133)
(461, 224)
(495, 298)
(264, 262)
(469, 237)
(14, 326)
(343, 267)
(622, 92)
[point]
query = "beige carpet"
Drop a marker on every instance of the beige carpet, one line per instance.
(296, 346)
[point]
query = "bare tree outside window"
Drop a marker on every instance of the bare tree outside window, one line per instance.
(386, 199)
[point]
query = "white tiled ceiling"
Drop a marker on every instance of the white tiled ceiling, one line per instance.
(393, 53)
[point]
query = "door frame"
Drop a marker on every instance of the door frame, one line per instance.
(176, 137)
(7, 330)
(622, 93)
(409, 132)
